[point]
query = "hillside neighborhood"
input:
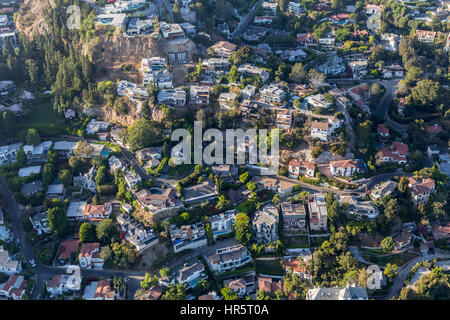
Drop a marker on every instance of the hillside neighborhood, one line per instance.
(94, 206)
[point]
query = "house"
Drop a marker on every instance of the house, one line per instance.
(295, 55)
(433, 150)
(263, 19)
(76, 209)
(346, 168)
(305, 39)
(187, 236)
(225, 170)
(14, 288)
(40, 223)
(32, 188)
(421, 190)
(67, 252)
(205, 191)
(295, 8)
(37, 154)
(390, 41)
(393, 71)
(223, 223)
(397, 153)
(95, 126)
(89, 150)
(265, 224)
(5, 233)
(434, 129)
(254, 33)
(64, 148)
(297, 260)
(189, 274)
(131, 90)
(359, 68)
(281, 186)
(294, 217)
(62, 283)
(248, 69)
(297, 168)
(210, 296)
(320, 130)
(8, 265)
(317, 212)
(149, 153)
(226, 100)
(426, 36)
(86, 180)
(6, 86)
(56, 191)
(8, 153)
(157, 200)
(284, 119)
(228, 258)
(154, 293)
(89, 256)
(162, 78)
(236, 285)
(360, 209)
(383, 131)
(136, 234)
(174, 97)
(138, 26)
(99, 290)
(223, 48)
(95, 213)
(317, 101)
(28, 171)
(337, 293)
(267, 284)
(272, 93)
(360, 92)
(215, 64)
(300, 90)
(188, 28)
(270, 6)
(171, 31)
(115, 164)
(153, 64)
(199, 96)
(383, 190)
(403, 239)
(441, 230)
(327, 42)
(132, 179)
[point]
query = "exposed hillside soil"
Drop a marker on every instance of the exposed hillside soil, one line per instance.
(110, 54)
(30, 17)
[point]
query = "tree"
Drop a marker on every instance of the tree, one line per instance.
(298, 73)
(243, 178)
(198, 169)
(390, 271)
(146, 110)
(101, 177)
(342, 34)
(149, 281)
(426, 93)
(33, 137)
(228, 294)
(276, 199)
(316, 78)
(74, 162)
(175, 292)
(57, 220)
(242, 55)
(388, 244)
(141, 134)
(86, 232)
(164, 272)
(106, 230)
(65, 177)
(243, 228)
(106, 253)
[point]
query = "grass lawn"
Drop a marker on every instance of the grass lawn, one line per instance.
(269, 267)
(44, 119)
(296, 242)
(179, 171)
(399, 259)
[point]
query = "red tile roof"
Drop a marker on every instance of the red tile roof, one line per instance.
(104, 290)
(66, 248)
(434, 129)
(88, 248)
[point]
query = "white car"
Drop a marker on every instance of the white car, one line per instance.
(33, 264)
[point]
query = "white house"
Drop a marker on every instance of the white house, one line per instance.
(89, 256)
